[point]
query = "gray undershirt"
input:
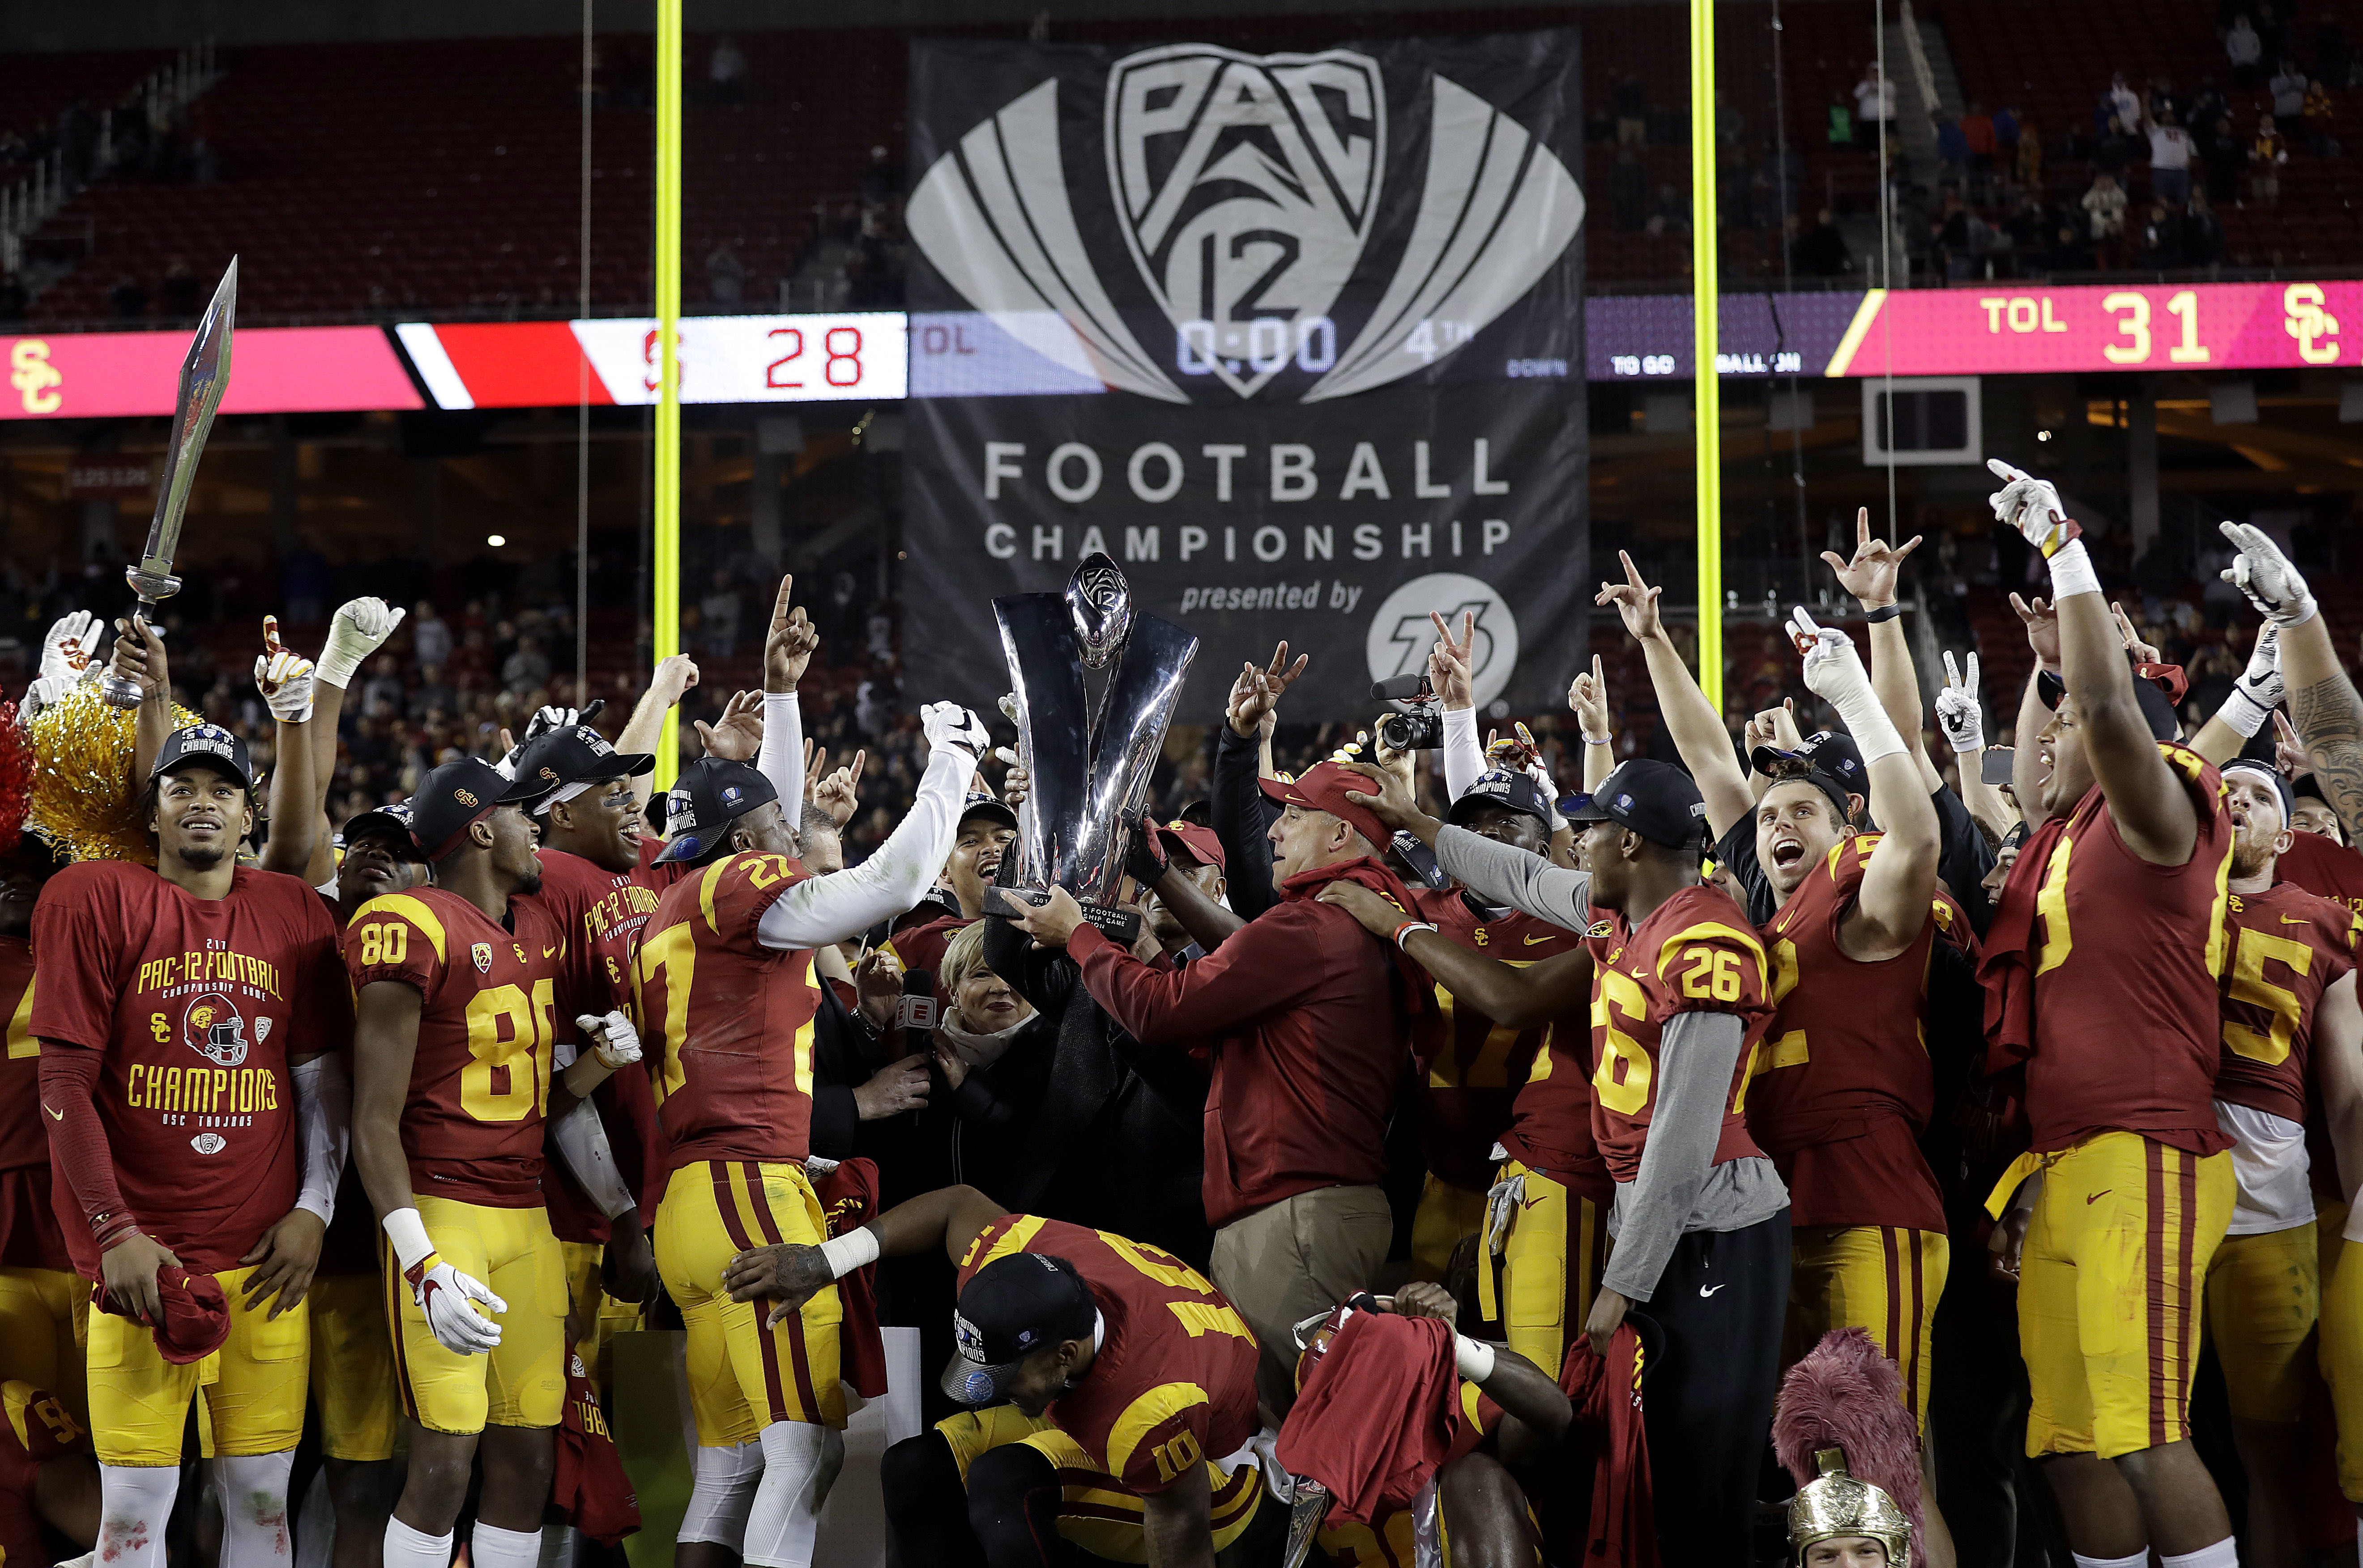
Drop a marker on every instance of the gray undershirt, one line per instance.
(1503, 874)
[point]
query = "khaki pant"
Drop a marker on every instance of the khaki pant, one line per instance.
(1301, 1256)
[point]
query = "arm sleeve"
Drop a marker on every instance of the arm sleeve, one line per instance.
(1963, 857)
(1240, 823)
(1464, 759)
(1505, 874)
(1695, 1061)
(1045, 978)
(1237, 981)
(782, 758)
(821, 909)
(324, 1129)
(78, 1147)
(581, 1141)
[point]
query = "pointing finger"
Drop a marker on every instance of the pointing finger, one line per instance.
(1972, 684)
(271, 643)
(1952, 671)
(1861, 527)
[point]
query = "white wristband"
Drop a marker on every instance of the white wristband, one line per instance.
(408, 1232)
(849, 1251)
(1473, 1357)
(2071, 571)
(2241, 714)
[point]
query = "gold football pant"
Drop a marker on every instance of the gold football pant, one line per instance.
(521, 1382)
(44, 1321)
(352, 1367)
(2264, 1293)
(2342, 1341)
(1445, 1214)
(1883, 1279)
(1556, 1250)
(253, 1385)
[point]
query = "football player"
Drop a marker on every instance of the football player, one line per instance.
(722, 980)
(198, 1110)
(457, 988)
(1116, 1386)
(2101, 966)
(1681, 999)
(987, 828)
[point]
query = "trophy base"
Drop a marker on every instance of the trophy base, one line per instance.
(1117, 925)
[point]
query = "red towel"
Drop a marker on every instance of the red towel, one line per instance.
(1378, 1415)
(588, 1484)
(849, 1195)
(1607, 1398)
(196, 1314)
(2004, 964)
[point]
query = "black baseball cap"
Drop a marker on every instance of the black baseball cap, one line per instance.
(1787, 767)
(209, 744)
(984, 803)
(2156, 705)
(1501, 787)
(2280, 785)
(1829, 751)
(1654, 799)
(576, 754)
(455, 798)
(933, 904)
(710, 794)
(392, 822)
(1010, 1309)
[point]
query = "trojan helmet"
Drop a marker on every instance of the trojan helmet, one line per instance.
(1841, 1430)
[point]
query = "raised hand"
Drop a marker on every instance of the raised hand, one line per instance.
(1636, 601)
(1958, 713)
(1255, 695)
(2030, 505)
(1834, 669)
(1775, 727)
(1452, 665)
(837, 793)
(788, 647)
(2145, 653)
(1587, 697)
(1870, 575)
(138, 657)
(283, 677)
(676, 674)
(2042, 622)
(66, 651)
(359, 629)
(949, 725)
(2289, 752)
(738, 734)
(2265, 576)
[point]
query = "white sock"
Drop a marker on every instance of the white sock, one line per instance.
(492, 1547)
(722, 1495)
(558, 1543)
(2139, 1560)
(134, 1500)
(253, 1491)
(408, 1548)
(2223, 1554)
(786, 1514)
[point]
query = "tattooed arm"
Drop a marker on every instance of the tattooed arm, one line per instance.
(2329, 717)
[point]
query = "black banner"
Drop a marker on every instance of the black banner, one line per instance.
(1295, 340)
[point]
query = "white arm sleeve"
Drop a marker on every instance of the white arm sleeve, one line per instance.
(782, 760)
(829, 908)
(581, 1143)
(1464, 759)
(324, 1127)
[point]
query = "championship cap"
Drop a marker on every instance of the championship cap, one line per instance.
(1654, 799)
(455, 798)
(710, 794)
(1501, 787)
(389, 821)
(1322, 788)
(985, 804)
(1199, 843)
(560, 762)
(1010, 1309)
(1830, 752)
(1788, 767)
(2156, 705)
(211, 744)
(2280, 785)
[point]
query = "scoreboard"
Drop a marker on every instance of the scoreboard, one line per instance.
(2018, 330)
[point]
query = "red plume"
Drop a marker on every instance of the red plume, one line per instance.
(16, 777)
(1846, 1394)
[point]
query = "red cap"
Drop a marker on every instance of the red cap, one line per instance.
(1322, 788)
(1199, 842)
(196, 1321)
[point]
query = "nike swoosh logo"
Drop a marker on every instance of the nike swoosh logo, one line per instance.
(1531, 940)
(548, 952)
(55, 1115)
(2292, 920)
(2098, 1195)
(1707, 1290)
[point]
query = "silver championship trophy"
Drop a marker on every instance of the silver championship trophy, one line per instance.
(204, 376)
(1088, 762)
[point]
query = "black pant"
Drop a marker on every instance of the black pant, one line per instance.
(1707, 1405)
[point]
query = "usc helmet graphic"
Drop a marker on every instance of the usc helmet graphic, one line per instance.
(215, 1029)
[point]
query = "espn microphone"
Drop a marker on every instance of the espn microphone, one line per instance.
(1402, 688)
(916, 1011)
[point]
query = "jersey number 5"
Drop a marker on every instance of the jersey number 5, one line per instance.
(2253, 951)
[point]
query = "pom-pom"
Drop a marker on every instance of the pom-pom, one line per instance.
(16, 779)
(82, 791)
(1845, 1394)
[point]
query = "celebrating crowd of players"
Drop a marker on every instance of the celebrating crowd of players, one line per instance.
(1790, 1065)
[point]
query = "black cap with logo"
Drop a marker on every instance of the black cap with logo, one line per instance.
(384, 821)
(1654, 799)
(209, 745)
(1010, 1309)
(455, 798)
(710, 794)
(1829, 751)
(2158, 708)
(1501, 786)
(984, 803)
(576, 754)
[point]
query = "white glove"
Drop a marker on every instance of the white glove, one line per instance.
(284, 678)
(545, 720)
(1834, 671)
(2030, 505)
(66, 651)
(2260, 686)
(2265, 576)
(1501, 1201)
(447, 1297)
(613, 1039)
(1958, 713)
(949, 723)
(360, 629)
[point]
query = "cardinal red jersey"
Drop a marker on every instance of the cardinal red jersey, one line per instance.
(1694, 953)
(1844, 1085)
(480, 1080)
(922, 947)
(726, 1022)
(2288, 947)
(2324, 867)
(37, 1429)
(196, 1004)
(1173, 1382)
(1473, 1076)
(2125, 960)
(30, 1235)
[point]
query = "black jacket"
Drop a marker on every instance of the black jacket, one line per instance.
(1243, 814)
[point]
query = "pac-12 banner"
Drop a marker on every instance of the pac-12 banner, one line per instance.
(1296, 339)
